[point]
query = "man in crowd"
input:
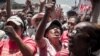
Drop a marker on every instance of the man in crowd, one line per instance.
(84, 40)
(16, 44)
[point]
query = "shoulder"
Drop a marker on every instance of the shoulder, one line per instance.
(28, 40)
(30, 43)
(64, 34)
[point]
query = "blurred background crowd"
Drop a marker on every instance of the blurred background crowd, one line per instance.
(50, 28)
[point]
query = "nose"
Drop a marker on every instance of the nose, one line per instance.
(69, 25)
(57, 30)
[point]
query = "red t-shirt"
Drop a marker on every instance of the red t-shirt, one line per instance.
(64, 37)
(10, 48)
(49, 50)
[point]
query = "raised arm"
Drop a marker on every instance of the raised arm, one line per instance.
(29, 5)
(8, 8)
(52, 14)
(27, 47)
(42, 4)
(41, 29)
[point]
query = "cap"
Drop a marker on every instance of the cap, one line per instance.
(15, 19)
(54, 22)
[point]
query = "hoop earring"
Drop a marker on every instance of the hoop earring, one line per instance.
(89, 51)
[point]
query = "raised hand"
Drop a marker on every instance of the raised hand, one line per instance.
(58, 11)
(42, 25)
(10, 32)
(49, 7)
(42, 1)
(28, 2)
(63, 52)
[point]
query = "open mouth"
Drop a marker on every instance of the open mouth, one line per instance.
(57, 34)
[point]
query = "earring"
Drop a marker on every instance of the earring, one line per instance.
(89, 51)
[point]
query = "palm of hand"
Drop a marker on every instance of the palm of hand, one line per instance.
(42, 1)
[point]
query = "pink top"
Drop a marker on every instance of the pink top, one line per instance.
(10, 48)
(64, 37)
(49, 50)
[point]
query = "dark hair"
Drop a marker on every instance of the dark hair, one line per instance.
(52, 24)
(93, 34)
(87, 18)
(71, 13)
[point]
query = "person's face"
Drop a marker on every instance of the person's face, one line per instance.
(29, 16)
(71, 23)
(78, 43)
(54, 34)
(18, 29)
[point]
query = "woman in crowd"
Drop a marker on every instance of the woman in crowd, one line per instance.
(48, 36)
(72, 21)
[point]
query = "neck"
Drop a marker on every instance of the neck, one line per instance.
(57, 46)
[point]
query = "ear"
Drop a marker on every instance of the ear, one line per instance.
(46, 35)
(22, 30)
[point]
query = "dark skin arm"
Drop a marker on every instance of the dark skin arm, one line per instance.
(42, 3)
(52, 14)
(26, 51)
(29, 4)
(41, 29)
(8, 8)
(84, 15)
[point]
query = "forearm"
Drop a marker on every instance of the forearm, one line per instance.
(41, 7)
(26, 51)
(41, 29)
(30, 6)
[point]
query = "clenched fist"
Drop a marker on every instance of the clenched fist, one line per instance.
(10, 31)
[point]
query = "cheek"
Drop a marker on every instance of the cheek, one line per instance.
(19, 32)
(49, 35)
(50, 32)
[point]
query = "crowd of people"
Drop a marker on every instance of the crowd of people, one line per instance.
(46, 33)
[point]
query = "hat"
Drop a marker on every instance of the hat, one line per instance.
(17, 20)
(54, 22)
(38, 15)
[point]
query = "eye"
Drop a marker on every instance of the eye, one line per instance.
(74, 31)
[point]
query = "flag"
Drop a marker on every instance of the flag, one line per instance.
(85, 5)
